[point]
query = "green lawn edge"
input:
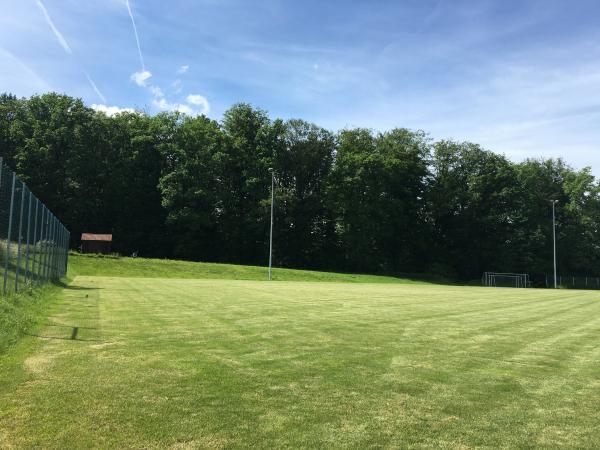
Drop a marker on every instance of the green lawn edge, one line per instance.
(21, 313)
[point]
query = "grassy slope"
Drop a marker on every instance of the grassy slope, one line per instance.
(162, 363)
(21, 313)
(164, 268)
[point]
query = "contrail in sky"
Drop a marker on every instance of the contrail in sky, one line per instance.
(57, 33)
(137, 38)
(63, 42)
(141, 79)
(94, 86)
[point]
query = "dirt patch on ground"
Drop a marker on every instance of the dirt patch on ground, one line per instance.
(212, 442)
(105, 344)
(39, 363)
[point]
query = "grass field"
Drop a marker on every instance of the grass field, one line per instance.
(131, 362)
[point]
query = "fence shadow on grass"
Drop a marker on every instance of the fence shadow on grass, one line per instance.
(71, 337)
(70, 287)
(76, 317)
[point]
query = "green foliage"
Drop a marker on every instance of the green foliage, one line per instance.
(305, 228)
(377, 191)
(474, 203)
(394, 202)
(190, 185)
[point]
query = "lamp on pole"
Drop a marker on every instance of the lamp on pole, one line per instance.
(554, 239)
(271, 232)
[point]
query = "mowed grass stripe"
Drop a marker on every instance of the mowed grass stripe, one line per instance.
(229, 364)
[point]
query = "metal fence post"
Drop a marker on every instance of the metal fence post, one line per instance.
(40, 242)
(47, 244)
(49, 249)
(34, 242)
(56, 254)
(43, 243)
(54, 230)
(59, 253)
(68, 235)
(64, 251)
(10, 214)
(28, 239)
(43, 246)
(50, 240)
(40, 246)
(20, 239)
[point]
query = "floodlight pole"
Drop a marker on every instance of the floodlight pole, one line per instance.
(271, 232)
(554, 239)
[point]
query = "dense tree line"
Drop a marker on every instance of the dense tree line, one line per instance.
(171, 185)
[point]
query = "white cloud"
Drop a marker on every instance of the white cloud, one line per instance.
(183, 69)
(166, 106)
(184, 109)
(111, 110)
(176, 86)
(192, 101)
(62, 41)
(199, 100)
(140, 77)
(156, 91)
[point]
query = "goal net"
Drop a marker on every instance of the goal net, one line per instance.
(497, 279)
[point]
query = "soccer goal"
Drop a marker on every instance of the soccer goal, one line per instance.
(497, 279)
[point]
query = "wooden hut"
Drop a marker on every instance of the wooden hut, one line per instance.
(96, 243)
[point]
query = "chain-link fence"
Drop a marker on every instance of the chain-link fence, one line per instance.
(573, 282)
(540, 281)
(33, 243)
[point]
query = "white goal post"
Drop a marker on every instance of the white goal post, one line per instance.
(499, 279)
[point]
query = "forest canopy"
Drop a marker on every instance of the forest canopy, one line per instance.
(172, 185)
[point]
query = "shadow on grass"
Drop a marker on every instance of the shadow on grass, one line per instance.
(75, 312)
(67, 326)
(64, 285)
(73, 337)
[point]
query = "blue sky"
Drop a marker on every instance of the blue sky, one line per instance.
(519, 77)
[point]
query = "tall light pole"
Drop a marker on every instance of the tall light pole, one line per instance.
(554, 239)
(271, 232)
